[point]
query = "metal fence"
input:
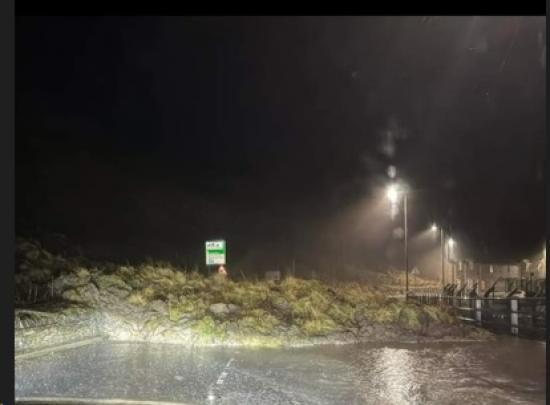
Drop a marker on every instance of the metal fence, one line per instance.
(525, 317)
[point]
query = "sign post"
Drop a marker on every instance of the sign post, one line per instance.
(215, 253)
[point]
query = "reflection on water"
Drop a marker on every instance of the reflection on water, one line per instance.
(395, 372)
(508, 371)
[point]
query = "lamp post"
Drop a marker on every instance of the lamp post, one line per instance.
(442, 237)
(406, 247)
(450, 245)
(435, 228)
(393, 193)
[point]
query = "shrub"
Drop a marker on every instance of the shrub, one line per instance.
(318, 327)
(258, 321)
(382, 314)
(208, 327)
(409, 318)
(111, 280)
(137, 298)
(438, 314)
(305, 309)
(295, 288)
(246, 295)
(351, 293)
(342, 313)
(194, 306)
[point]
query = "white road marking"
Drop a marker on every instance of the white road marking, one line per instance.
(221, 378)
(211, 396)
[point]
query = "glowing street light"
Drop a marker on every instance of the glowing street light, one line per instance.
(450, 255)
(393, 193)
(434, 228)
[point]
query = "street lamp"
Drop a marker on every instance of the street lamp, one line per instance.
(393, 193)
(450, 244)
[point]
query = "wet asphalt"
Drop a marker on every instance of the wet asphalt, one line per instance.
(509, 371)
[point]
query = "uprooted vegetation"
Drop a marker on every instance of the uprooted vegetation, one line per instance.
(393, 282)
(168, 299)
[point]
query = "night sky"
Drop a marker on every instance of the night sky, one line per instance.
(146, 135)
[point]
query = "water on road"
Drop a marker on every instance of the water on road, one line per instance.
(509, 371)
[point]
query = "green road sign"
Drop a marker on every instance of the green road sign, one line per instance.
(215, 252)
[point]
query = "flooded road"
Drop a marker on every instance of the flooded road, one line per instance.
(508, 371)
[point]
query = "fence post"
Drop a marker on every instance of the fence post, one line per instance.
(514, 321)
(478, 311)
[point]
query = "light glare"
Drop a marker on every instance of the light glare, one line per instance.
(392, 193)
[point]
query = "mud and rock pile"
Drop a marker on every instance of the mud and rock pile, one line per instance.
(157, 302)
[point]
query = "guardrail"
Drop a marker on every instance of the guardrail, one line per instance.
(525, 317)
